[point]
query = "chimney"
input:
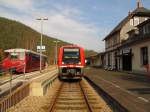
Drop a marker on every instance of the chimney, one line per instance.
(139, 4)
(129, 13)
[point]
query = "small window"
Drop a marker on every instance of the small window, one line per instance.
(21, 55)
(146, 29)
(136, 21)
(131, 22)
(144, 55)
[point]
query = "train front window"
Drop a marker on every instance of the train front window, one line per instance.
(71, 56)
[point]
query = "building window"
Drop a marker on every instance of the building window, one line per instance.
(136, 21)
(131, 22)
(146, 29)
(115, 40)
(144, 55)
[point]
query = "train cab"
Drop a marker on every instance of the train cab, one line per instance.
(71, 62)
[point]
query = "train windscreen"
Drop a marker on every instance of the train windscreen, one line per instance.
(71, 56)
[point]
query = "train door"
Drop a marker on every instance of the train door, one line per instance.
(28, 62)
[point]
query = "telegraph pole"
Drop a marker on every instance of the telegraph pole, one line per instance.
(41, 19)
(56, 47)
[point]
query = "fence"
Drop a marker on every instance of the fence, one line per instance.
(14, 97)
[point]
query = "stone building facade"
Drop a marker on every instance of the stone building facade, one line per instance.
(116, 57)
(138, 44)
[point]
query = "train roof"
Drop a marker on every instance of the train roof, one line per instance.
(22, 50)
(71, 46)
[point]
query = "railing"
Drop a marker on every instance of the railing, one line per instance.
(15, 97)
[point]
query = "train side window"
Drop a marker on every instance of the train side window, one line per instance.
(35, 58)
(14, 56)
(22, 55)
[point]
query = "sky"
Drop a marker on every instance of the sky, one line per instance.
(82, 22)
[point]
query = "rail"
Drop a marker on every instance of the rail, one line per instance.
(13, 78)
(75, 96)
(15, 97)
(55, 97)
(86, 98)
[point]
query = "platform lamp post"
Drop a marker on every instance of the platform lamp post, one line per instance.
(41, 19)
(56, 45)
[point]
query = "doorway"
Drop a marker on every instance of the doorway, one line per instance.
(127, 62)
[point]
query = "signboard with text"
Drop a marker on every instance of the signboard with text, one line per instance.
(41, 48)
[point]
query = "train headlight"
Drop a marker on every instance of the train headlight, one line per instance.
(79, 63)
(63, 63)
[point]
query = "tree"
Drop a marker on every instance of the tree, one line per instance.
(1, 55)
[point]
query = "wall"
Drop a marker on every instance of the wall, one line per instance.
(136, 59)
(127, 27)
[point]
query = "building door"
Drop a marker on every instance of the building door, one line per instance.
(127, 62)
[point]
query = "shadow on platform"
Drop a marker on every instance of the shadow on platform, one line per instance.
(140, 90)
(71, 80)
(137, 78)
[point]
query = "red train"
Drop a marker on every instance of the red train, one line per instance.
(71, 62)
(22, 59)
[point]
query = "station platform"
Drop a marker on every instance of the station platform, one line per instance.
(131, 90)
(40, 95)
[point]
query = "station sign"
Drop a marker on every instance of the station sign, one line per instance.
(41, 48)
(126, 51)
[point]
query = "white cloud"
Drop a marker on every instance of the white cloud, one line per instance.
(17, 4)
(60, 24)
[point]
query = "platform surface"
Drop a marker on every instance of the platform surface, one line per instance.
(131, 90)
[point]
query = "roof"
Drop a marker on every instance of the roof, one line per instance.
(144, 23)
(101, 53)
(17, 50)
(71, 46)
(22, 50)
(141, 11)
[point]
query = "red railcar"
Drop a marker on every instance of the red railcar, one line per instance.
(71, 61)
(22, 59)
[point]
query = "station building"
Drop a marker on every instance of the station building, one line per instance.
(97, 60)
(136, 49)
(124, 49)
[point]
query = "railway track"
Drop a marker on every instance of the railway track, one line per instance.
(77, 97)
(27, 76)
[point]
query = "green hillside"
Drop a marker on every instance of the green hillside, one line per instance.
(14, 34)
